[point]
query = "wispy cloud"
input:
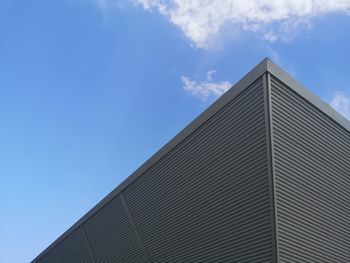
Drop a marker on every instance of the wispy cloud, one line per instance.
(273, 20)
(341, 103)
(205, 89)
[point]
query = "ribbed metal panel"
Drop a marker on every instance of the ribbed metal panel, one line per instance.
(111, 236)
(208, 199)
(50, 257)
(74, 249)
(312, 179)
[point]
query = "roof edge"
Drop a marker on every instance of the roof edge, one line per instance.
(266, 65)
(253, 75)
(315, 100)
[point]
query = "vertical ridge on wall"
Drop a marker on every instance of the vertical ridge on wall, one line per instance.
(88, 244)
(74, 249)
(312, 171)
(208, 199)
(271, 166)
(111, 235)
(131, 220)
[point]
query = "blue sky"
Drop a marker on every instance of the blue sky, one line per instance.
(89, 90)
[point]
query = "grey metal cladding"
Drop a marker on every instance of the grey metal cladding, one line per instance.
(49, 257)
(74, 249)
(267, 160)
(312, 180)
(111, 236)
(208, 199)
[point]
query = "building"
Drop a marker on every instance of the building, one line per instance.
(263, 175)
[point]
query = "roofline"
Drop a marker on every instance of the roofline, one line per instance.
(306, 94)
(265, 66)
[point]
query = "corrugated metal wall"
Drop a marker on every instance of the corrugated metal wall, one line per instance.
(207, 200)
(312, 179)
(224, 194)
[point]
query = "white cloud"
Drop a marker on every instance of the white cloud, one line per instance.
(205, 89)
(342, 104)
(210, 74)
(202, 20)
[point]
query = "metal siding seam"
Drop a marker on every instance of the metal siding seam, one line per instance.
(88, 244)
(74, 248)
(58, 258)
(134, 227)
(271, 163)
